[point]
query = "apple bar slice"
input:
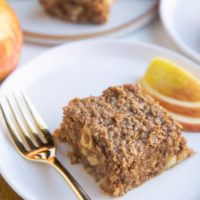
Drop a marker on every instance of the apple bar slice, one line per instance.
(87, 11)
(177, 89)
(123, 137)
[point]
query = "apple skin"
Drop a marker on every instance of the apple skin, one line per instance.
(184, 111)
(179, 109)
(190, 127)
(11, 39)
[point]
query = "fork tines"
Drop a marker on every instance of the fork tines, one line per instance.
(26, 128)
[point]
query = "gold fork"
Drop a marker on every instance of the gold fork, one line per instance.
(32, 138)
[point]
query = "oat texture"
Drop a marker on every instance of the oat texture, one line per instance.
(123, 137)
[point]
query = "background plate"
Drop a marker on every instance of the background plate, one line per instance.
(126, 16)
(181, 19)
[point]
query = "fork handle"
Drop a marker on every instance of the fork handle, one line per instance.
(74, 185)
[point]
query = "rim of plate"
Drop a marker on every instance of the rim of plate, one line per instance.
(149, 13)
(164, 15)
(10, 180)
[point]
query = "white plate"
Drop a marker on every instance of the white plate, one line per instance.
(38, 26)
(82, 69)
(181, 19)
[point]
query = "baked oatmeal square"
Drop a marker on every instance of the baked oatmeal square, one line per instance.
(123, 137)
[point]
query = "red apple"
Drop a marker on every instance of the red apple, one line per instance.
(10, 39)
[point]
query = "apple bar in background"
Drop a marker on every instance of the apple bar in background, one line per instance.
(90, 11)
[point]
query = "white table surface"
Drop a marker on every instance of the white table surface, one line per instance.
(152, 33)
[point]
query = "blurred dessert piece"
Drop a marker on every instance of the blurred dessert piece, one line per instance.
(80, 11)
